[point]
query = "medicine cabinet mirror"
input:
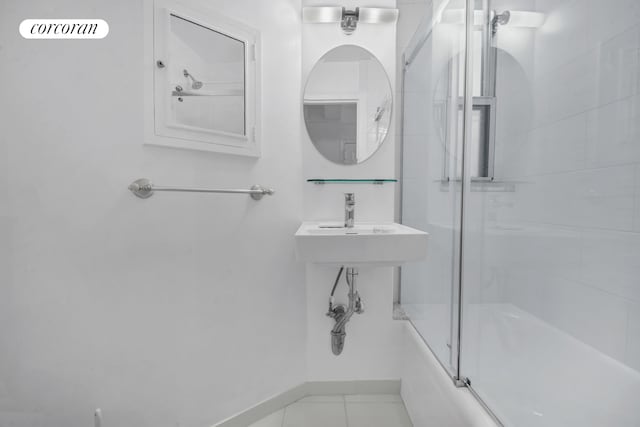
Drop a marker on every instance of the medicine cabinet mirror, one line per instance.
(347, 105)
(204, 89)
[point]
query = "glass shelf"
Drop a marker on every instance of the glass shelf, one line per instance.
(377, 181)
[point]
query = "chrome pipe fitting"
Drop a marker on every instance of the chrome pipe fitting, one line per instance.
(342, 314)
(349, 209)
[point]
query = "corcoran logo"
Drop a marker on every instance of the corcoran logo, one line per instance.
(64, 28)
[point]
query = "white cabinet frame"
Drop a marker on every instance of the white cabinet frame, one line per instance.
(158, 129)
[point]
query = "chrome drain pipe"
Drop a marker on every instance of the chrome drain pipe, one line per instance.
(343, 314)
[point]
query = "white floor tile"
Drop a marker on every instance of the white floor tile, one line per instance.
(373, 398)
(307, 414)
(273, 420)
(354, 410)
(376, 414)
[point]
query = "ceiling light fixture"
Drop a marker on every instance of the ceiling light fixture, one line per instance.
(349, 19)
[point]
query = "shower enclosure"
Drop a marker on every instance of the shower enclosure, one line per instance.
(521, 158)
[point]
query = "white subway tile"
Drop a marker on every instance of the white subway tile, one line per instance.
(636, 217)
(601, 198)
(559, 146)
(619, 66)
(632, 358)
(515, 45)
(611, 261)
(563, 36)
(596, 318)
(512, 154)
(567, 90)
(598, 198)
(593, 316)
(614, 133)
(525, 289)
(555, 250)
(514, 106)
(611, 17)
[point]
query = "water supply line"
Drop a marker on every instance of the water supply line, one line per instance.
(341, 313)
(333, 291)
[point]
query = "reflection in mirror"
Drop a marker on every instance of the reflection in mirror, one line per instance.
(486, 132)
(347, 105)
(206, 80)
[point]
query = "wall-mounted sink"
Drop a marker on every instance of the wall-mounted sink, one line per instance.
(386, 244)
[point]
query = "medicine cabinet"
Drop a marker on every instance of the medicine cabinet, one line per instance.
(202, 80)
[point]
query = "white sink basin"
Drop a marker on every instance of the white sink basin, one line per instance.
(386, 244)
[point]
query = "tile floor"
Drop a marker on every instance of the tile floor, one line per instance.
(356, 410)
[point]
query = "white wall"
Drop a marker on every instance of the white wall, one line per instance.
(412, 14)
(373, 338)
(178, 310)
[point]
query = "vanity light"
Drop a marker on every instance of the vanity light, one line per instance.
(322, 15)
(348, 19)
(512, 18)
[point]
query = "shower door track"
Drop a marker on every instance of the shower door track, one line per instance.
(486, 407)
(459, 382)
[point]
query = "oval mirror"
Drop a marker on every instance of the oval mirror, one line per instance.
(347, 105)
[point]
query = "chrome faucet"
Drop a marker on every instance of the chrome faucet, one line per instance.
(349, 209)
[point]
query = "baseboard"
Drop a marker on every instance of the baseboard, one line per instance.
(264, 408)
(353, 387)
(310, 388)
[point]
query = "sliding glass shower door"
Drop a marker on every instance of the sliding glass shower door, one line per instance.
(524, 166)
(433, 96)
(551, 277)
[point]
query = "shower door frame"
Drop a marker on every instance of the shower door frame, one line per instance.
(457, 291)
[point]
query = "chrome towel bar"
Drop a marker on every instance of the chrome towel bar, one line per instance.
(144, 189)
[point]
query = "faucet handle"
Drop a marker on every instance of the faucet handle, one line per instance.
(349, 197)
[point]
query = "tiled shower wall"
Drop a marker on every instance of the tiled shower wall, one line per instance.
(565, 245)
